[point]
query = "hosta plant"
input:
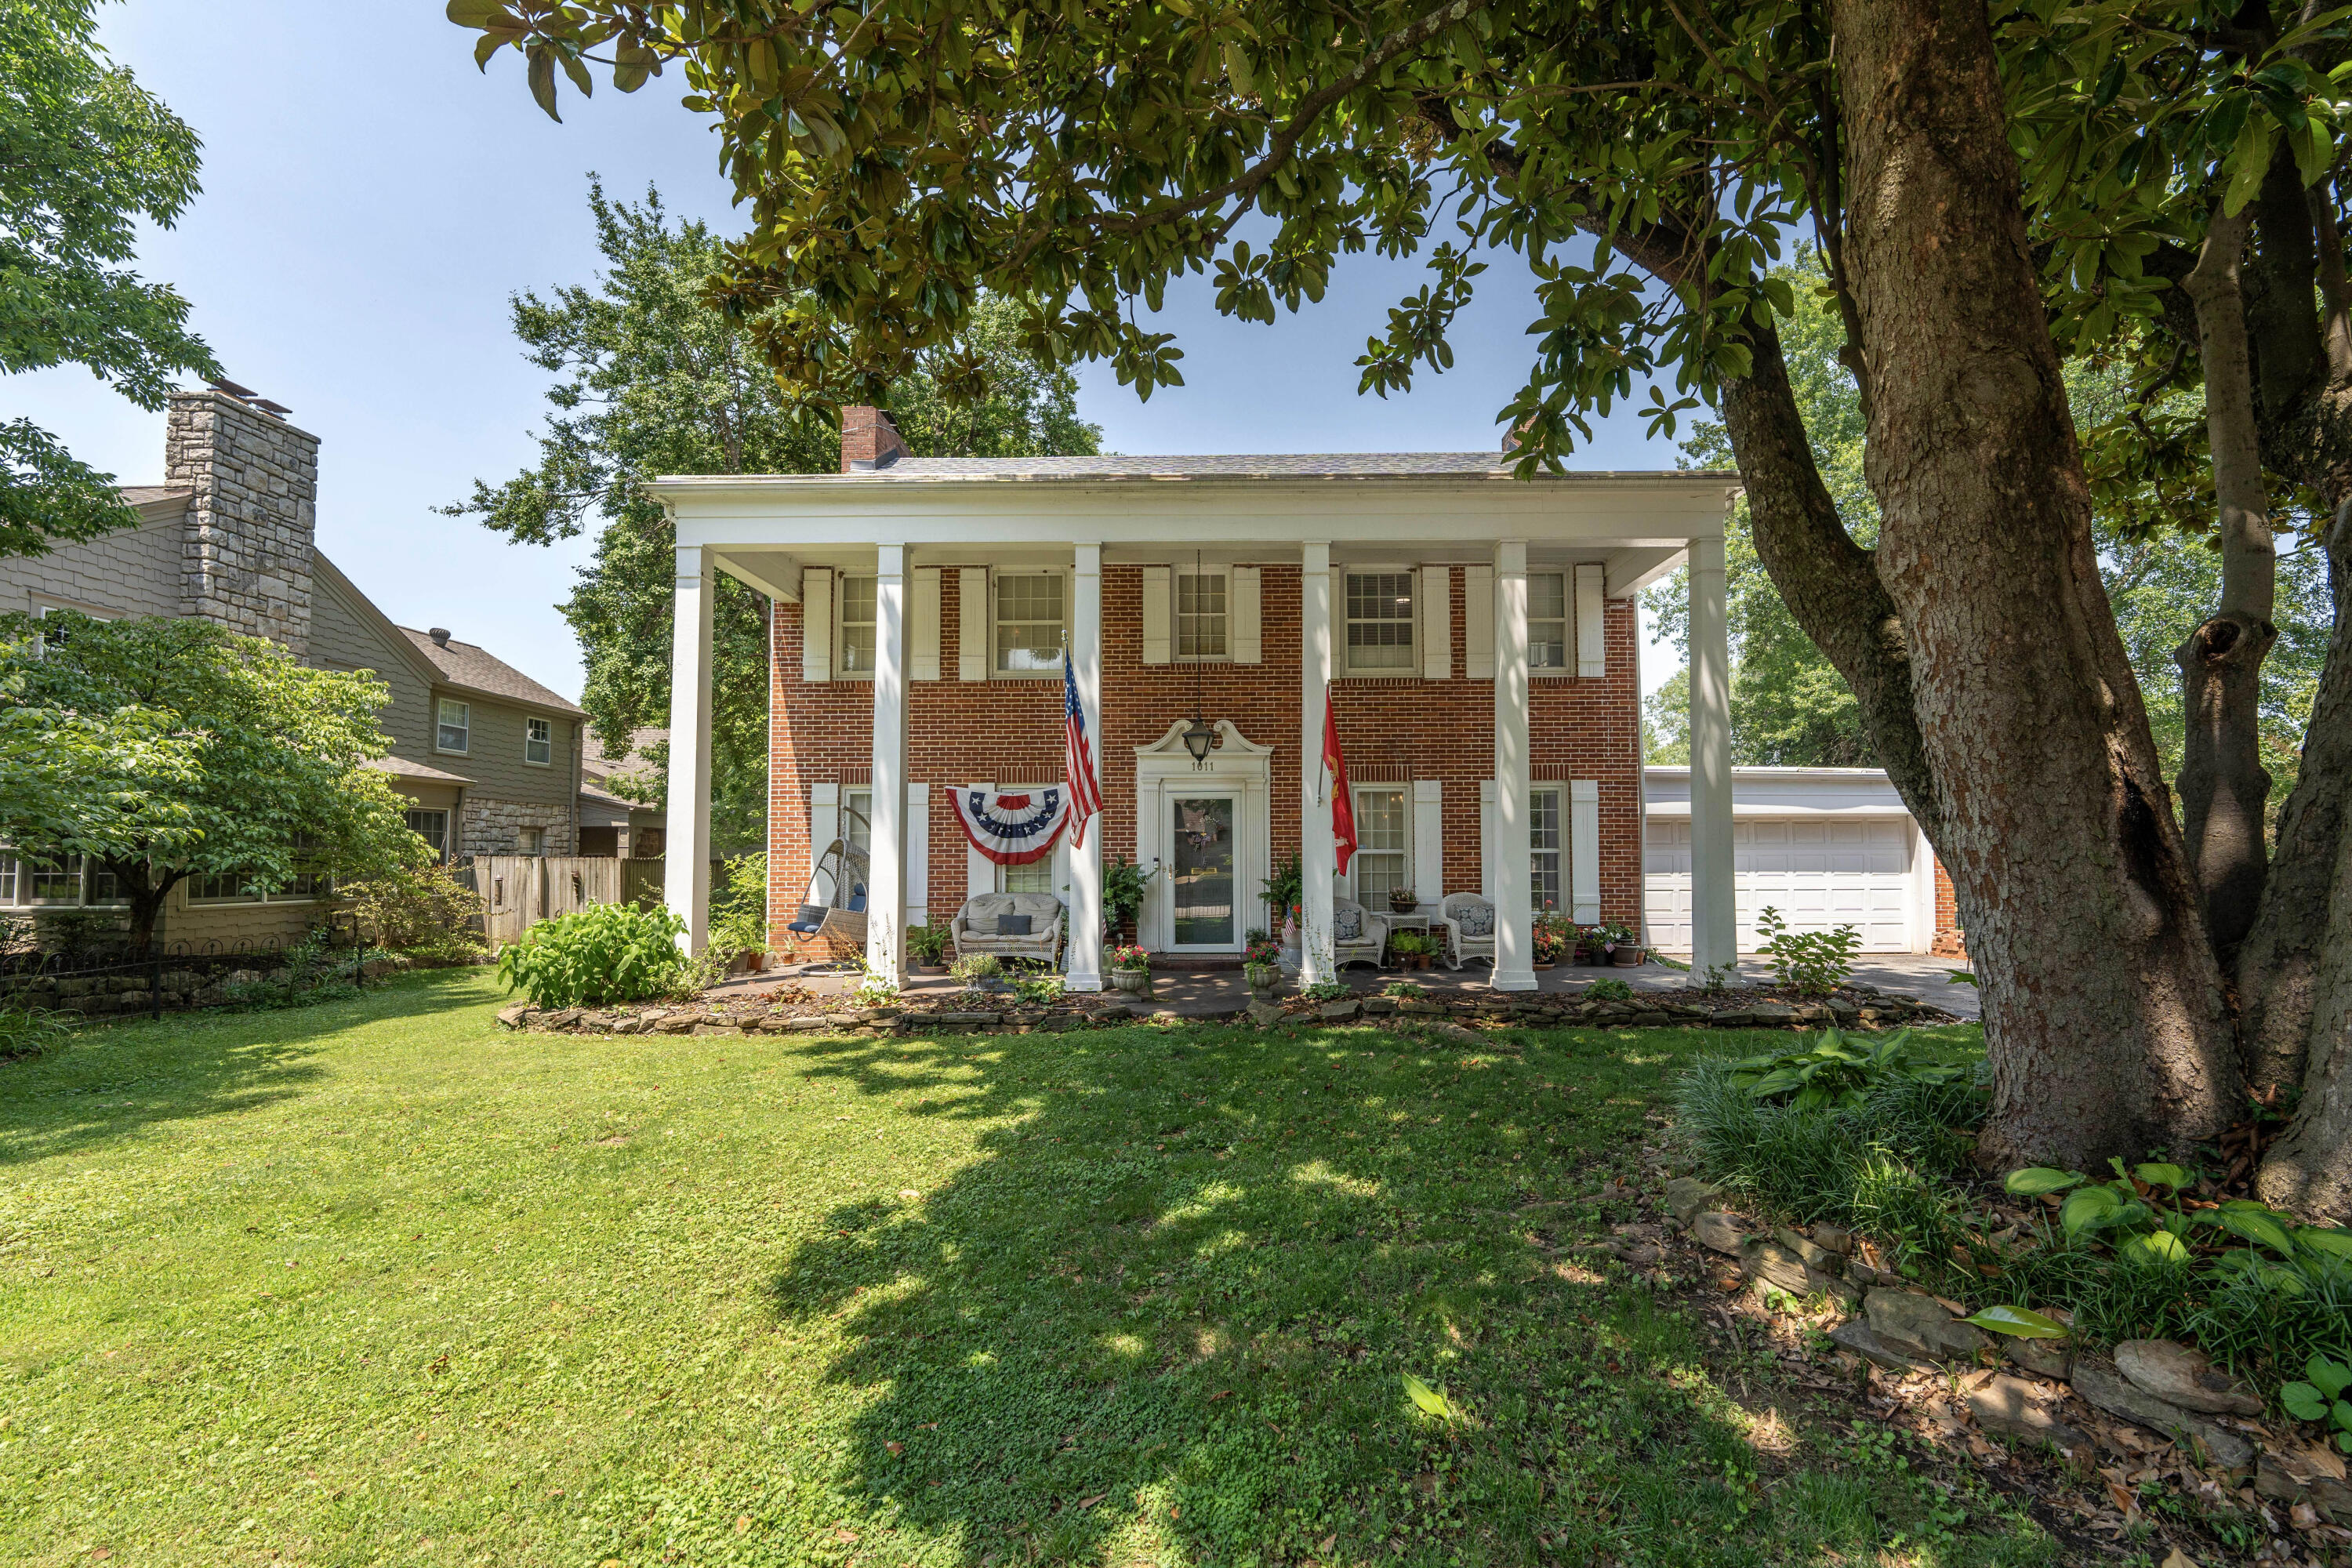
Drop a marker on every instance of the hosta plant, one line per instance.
(1837, 1071)
(1609, 991)
(2141, 1214)
(603, 953)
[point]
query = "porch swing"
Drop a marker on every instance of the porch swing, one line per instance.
(831, 915)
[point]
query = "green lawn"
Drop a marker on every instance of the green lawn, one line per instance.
(376, 1282)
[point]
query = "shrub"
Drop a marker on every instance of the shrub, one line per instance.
(972, 968)
(603, 953)
(877, 988)
(419, 911)
(739, 907)
(1038, 990)
(1810, 963)
(1609, 991)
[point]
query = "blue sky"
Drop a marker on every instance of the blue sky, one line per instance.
(371, 202)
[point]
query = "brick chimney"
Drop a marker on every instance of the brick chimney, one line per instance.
(869, 439)
(251, 532)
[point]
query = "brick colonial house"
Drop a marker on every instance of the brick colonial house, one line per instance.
(1474, 634)
(491, 758)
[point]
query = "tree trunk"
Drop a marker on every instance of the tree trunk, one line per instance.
(2104, 1008)
(2224, 787)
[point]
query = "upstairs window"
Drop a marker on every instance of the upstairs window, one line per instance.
(538, 741)
(1547, 620)
(1379, 623)
(453, 729)
(1200, 615)
(1029, 623)
(858, 623)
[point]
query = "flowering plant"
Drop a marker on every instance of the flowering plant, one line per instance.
(1553, 933)
(1129, 957)
(1261, 948)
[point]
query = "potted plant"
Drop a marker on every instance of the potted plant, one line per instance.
(1402, 901)
(1553, 932)
(926, 949)
(1263, 980)
(1130, 970)
(1257, 947)
(1282, 891)
(1410, 949)
(1124, 883)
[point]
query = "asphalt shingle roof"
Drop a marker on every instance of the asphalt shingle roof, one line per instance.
(465, 664)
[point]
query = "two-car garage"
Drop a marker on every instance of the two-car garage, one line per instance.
(1824, 846)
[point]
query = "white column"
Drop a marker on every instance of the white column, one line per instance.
(686, 859)
(886, 884)
(1715, 921)
(1515, 921)
(1086, 861)
(1319, 856)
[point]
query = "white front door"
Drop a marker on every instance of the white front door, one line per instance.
(1818, 875)
(1203, 836)
(1204, 891)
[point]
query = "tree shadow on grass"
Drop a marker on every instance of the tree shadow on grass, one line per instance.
(1166, 1314)
(113, 1079)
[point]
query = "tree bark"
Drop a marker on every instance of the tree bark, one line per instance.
(2104, 1007)
(1829, 583)
(2224, 788)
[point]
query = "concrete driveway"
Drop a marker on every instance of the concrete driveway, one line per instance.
(1914, 973)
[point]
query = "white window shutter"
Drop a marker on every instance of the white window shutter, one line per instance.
(1427, 872)
(824, 827)
(1158, 598)
(1591, 636)
(1241, 634)
(978, 870)
(1487, 879)
(1584, 850)
(972, 624)
(1478, 623)
(816, 626)
(923, 633)
(1436, 622)
(918, 854)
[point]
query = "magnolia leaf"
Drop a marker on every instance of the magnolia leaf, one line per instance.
(1432, 1401)
(2018, 1323)
(542, 81)
(2036, 1179)
(474, 13)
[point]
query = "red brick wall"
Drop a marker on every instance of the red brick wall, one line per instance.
(1947, 939)
(1393, 729)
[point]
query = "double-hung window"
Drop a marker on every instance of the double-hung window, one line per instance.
(433, 826)
(8, 879)
(453, 729)
(1548, 621)
(1543, 846)
(224, 888)
(1379, 623)
(538, 741)
(859, 618)
(1383, 857)
(857, 819)
(1029, 623)
(1201, 626)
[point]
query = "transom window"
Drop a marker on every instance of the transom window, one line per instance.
(858, 621)
(1379, 621)
(1029, 622)
(453, 728)
(538, 741)
(1383, 857)
(1543, 843)
(1200, 615)
(1547, 620)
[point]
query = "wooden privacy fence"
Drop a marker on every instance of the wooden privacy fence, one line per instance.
(518, 891)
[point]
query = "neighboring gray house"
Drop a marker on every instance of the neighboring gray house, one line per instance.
(491, 758)
(612, 823)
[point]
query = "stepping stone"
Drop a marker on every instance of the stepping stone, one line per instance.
(2105, 1389)
(2011, 1405)
(1726, 1233)
(1686, 1196)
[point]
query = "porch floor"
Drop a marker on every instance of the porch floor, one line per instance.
(1199, 992)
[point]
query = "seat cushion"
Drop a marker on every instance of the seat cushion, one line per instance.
(982, 910)
(1475, 920)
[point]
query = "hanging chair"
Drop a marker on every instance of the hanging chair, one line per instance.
(832, 916)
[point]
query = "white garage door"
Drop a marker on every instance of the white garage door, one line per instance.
(1818, 875)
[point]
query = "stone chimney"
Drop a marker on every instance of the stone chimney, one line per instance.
(251, 534)
(869, 439)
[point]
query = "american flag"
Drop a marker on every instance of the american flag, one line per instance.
(1078, 762)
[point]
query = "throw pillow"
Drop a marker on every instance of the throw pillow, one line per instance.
(1478, 921)
(1348, 925)
(1013, 925)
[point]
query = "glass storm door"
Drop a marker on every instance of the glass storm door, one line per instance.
(1203, 833)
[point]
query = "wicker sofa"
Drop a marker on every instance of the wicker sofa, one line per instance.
(974, 928)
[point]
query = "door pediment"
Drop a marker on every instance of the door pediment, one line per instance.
(1231, 744)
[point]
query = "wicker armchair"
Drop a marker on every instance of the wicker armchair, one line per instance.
(1371, 938)
(1468, 920)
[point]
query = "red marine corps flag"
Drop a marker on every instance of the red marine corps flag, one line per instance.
(1343, 804)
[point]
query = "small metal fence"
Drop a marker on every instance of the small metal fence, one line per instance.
(113, 979)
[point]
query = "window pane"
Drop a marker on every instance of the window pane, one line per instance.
(1380, 620)
(1543, 815)
(453, 727)
(1547, 620)
(224, 887)
(7, 879)
(857, 616)
(433, 826)
(55, 881)
(1543, 840)
(859, 829)
(539, 741)
(1200, 616)
(1036, 877)
(1029, 622)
